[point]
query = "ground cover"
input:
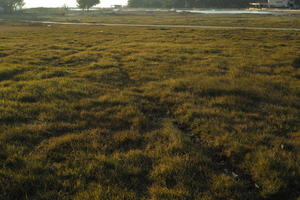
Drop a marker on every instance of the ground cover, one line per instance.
(283, 19)
(148, 113)
(279, 21)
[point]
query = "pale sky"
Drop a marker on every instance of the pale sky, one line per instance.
(70, 3)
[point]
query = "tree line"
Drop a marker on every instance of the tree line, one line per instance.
(191, 3)
(9, 6)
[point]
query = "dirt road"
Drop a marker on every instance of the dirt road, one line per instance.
(167, 26)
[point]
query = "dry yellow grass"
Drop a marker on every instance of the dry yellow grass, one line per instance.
(148, 113)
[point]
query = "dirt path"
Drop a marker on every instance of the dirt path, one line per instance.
(167, 26)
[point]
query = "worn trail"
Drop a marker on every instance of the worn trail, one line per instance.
(167, 26)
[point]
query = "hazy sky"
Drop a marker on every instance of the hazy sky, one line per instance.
(71, 3)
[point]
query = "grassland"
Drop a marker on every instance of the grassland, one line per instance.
(284, 19)
(148, 113)
(275, 21)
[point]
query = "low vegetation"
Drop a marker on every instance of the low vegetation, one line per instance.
(91, 112)
(281, 19)
(287, 20)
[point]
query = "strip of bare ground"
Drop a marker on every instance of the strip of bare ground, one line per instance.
(166, 26)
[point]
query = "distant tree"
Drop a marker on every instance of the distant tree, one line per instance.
(86, 4)
(10, 6)
(135, 3)
(65, 7)
(190, 3)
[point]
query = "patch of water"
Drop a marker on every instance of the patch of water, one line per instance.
(263, 12)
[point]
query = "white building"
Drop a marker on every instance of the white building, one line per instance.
(281, 3)
(274, 4)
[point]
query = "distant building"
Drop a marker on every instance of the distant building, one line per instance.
(281, 3)
(117, 6)
(1, 9)
(274, 4)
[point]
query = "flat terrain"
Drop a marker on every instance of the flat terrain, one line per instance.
(164, 26)
(280, 18)
(284, 20)
(92, 112)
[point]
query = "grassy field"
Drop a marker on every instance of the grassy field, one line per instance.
(148, 113)
(287, 19)
(280, 21)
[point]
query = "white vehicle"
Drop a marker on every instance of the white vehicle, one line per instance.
(275, 4)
